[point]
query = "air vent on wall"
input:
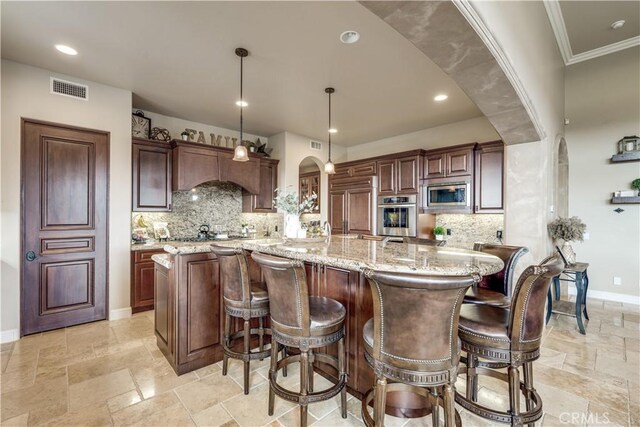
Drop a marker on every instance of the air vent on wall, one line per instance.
(70, 89)
(315, 145)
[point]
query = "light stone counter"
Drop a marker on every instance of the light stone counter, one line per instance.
(149, 246)
(358, 255)
(164, 260)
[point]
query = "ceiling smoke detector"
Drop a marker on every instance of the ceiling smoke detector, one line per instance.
(349, 37)
(618, 24)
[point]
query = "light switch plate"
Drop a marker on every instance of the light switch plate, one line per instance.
(585, 236)
(617, 281)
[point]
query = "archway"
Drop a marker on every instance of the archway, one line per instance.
(562, 179)
(310, 181)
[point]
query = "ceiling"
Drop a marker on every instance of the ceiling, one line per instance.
(583, 28)
(178, 59)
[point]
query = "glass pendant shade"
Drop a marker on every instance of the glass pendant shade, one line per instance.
(329, 168)
(240, 154)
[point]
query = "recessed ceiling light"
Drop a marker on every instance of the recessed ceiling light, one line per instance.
(618, 24)
(66, 49)
(242, 103)
(349, 37)
(440, 97)
(333, 130)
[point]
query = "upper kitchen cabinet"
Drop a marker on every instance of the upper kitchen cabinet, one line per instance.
(241, 173)
(444, 163)
(399, 175)
(489, 182)
(308, 184)
(268, 182)
(355, 169)
(151, 176)
(352, 205)
(193, 164)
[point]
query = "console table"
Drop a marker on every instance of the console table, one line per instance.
(577, 273)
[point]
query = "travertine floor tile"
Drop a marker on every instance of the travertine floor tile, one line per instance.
(213, 416)
(600, 415)
(47, 392)
(334, 419)
(201, 394)
(62, 355)
(158, 377)
(134, 358)
(557, 402)
(617, 368)
(86, 417)
(161, 410)
(19, 421)
(251, 410)
(123, 400)
(99, 389)
(292, 419)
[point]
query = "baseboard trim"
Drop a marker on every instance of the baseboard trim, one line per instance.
(609, 296)
(9, 336)
(120, 313)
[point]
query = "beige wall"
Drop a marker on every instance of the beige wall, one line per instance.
(292, 149)
(522, 31)
(467, 131)
(603, 105)
(25, 93)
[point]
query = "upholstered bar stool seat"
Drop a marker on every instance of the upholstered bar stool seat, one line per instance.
(495, 338)
(244, 299)
(305, 322)
(495, 289)
(412, 340)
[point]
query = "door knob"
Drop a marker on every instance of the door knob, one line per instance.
(30, 256)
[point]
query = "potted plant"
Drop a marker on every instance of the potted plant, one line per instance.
(635, 184)
(439, 233)
(567, 230)
(287, 201)
(184, 135)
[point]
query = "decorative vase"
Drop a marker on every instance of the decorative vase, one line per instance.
(567, 251)
(291, 225)
(439, 236)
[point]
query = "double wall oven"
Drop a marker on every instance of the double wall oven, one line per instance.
(397, 215)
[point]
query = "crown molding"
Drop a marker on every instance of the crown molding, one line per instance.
(562, 37)
(604, 50)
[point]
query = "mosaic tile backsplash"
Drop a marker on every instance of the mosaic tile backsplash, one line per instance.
(467, 229)
(212, 203)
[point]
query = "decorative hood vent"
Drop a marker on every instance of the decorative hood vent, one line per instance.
(315, 145)
(70, 89)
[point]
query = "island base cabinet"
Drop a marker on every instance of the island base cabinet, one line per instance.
(188, 312)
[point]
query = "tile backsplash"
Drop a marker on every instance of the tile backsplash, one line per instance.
(467, 229)
(211, 203)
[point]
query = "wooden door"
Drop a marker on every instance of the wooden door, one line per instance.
(151, 178)
(360, 211)
(434, 166)
(459, 162)
(65, 182)
(337, 215)
(489, 183)
(408, 174)
(387, 177)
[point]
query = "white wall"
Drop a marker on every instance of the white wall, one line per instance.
(523, 32)
(603, 105)
(292, 149)
(467, 131)
(175, 126)
(25, 93)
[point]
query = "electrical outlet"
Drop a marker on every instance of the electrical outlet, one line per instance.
(617, 281)
(448, 232)
(499, 234)
(585, 236)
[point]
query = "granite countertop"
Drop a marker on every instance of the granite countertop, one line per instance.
(163, 259)
(354, 254)
(152, 245)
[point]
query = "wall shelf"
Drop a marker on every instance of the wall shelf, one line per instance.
(625, 200)
(626, 157)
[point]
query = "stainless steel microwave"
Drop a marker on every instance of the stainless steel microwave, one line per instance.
(448, 195)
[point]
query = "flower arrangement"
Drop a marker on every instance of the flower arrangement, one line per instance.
(567, 229)
(635, 184)
(288, 202)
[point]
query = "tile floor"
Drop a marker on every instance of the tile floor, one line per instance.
(112, 373)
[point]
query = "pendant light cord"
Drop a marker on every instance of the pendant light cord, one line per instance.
(329, 126)
(241, 98)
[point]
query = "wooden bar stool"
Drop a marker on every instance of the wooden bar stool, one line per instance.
(495, 289)
(243, 299)
(306, 323)
(497, 338)
(412, 340)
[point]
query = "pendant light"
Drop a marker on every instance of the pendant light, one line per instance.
(240, 154)
(329, 167)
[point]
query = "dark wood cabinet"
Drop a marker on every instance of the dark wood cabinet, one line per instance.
(451, 162)
(399, 176)
(359, 168)
(489, 178)
(268, 182)
(188, 311)
(193, 165)
(352, 205)
(309, 183)
(245, 174)
(151, 176)
(142, 277)
(337, 209)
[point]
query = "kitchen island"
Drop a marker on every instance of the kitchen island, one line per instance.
(189, 311)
